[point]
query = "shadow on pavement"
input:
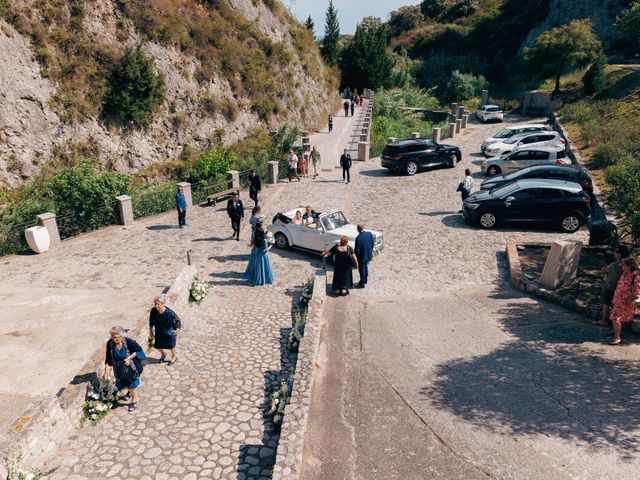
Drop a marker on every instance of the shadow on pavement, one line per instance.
(564, 390)
(211, 239)
(162, 227)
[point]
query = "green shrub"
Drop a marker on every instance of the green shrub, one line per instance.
(135, 92)
(624, 177)
(462, 86)
(594, 78)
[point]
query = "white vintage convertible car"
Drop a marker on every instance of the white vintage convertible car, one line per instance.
(319, 236)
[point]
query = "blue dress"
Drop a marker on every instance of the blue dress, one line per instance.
(259, 270)
(119, 356)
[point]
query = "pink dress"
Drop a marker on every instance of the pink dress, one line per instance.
(621, 310)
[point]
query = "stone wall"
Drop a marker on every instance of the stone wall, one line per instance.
(294, 424)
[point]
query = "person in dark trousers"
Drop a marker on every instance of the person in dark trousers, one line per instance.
(235, 210)
(330, 123)
(364, 253)
(465, 186)
(345, 105)
(254, 186)
(353, 106)
(612, 274)
(345, 163)
(181, 205)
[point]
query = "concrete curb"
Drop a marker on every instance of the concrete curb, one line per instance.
(46, 422)
(290, 448)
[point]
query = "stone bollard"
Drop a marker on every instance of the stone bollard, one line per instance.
(186, 186)
(125, 209)
(48, 221)
(391, 140)
(458, 125)
(460, 111)
(365, 131)
(273, 172)
(233, 177)
(465, 120)
(485, 97)
(452, 130)
(436, 135)
(365, 124)
(415, 135)
(363, 151)
(454, 109)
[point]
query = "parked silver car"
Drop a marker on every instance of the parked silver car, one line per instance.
(510, 131)
(517, 142)
(523, 158)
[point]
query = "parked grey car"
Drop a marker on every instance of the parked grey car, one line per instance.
(510, 131)
(520, 141)
(523, 158)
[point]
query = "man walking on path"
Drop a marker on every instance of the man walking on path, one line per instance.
(364, 253)
(330, 123)
(181, 205)
(466, 186)
(315, 160)
(254, 186)
(345, 105)
(345, 163)
(353, 106)
(235, 210)
(292, 163)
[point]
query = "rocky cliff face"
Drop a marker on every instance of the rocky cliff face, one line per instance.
(602, 14)
(35, 127)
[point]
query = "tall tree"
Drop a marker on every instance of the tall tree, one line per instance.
(366, 61)
(564, 49)
(329, 48)
(433, 9)
(629, 22)
(309, 24)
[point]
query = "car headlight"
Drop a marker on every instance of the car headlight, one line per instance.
(493, 150)
(471, 206)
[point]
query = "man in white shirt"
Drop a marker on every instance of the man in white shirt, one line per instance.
(292, 162)
(467, 186)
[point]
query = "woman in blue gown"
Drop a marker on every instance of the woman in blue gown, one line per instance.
(124, 352)
(259, 270)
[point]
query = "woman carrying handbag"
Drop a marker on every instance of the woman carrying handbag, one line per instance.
(123, 355)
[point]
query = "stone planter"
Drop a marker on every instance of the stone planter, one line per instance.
(38, 239)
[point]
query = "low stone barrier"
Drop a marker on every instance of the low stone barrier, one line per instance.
(294, 424)
(47, 422)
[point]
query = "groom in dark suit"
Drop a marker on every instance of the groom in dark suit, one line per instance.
(235, 210)
(364, 253)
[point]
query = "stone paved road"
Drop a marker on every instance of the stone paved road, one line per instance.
(438, 370)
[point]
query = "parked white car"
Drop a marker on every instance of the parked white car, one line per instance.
(525, 157)
(510, 131)
(519, 141)
(489, 112)
(319, 236)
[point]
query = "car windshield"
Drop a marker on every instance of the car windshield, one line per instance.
(505, 190)
(513, 139)
(504, 133)
(511, 175)
(334, 220)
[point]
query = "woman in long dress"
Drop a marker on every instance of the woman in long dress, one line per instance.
(259, 270)
(124, 355)
(164, 327)
(344, 260)
(624, 298)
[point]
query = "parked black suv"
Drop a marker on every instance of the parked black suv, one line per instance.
(563, 203)
(552, 172)
(410, 155)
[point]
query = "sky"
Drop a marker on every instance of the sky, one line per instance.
(350, 12)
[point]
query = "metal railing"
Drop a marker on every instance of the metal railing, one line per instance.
(12, 238)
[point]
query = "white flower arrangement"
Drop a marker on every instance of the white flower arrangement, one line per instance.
(297, 330)
(307, 292)
(270, 238)
(279, 399)
(262, 218)
(15, 470)
(100, 398)
(199, 289)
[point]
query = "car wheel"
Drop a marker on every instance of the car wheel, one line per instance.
(452, 161)
(488, 220)
(493, 170)
(281, 241)
(412, 168)
(570, 222)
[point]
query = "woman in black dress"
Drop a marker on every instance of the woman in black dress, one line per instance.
(344, 260)
(164, 326)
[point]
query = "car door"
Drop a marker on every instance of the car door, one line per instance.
(429, 155)
(548, 202)
(545, 139)
(516, 161)
(313, 237)
(527, 141)
(522, 204)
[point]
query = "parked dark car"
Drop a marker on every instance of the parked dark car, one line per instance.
(409, 156)
(565, 204)
(551, 172)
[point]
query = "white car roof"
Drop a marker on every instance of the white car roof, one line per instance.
(489, 105)
(544, 148)
(526, 125)
(546, 183)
